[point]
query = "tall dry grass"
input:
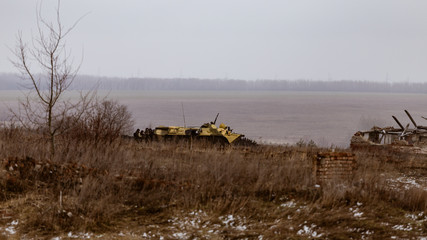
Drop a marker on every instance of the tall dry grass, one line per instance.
(155, 175)
(146, 178)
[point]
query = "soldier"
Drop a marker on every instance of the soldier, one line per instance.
(148, 131)
(137, 134)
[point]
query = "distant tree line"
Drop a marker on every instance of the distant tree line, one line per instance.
(82, 82)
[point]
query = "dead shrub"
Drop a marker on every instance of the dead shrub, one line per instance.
(104, 121)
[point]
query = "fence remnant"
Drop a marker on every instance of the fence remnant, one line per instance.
(334, 165)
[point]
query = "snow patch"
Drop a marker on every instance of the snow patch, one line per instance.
(232, 222)
(402, 227)
(80, 235)
(181, 235)
(11, 227)
(407, 182)
(309, 231)
(289, 204)
(420, 216)
(356, 212)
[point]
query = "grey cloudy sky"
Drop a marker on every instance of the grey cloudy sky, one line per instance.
(243, 39)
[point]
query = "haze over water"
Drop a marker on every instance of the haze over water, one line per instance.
(281, 117)
(276, 117)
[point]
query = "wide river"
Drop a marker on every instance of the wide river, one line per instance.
(280, 117)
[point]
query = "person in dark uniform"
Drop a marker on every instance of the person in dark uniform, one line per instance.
(137, 134)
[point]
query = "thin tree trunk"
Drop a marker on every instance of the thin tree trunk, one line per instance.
(50, 106)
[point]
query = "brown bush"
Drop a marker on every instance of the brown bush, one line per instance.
(104, 121)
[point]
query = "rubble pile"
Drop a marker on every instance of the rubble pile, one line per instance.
(19, 173)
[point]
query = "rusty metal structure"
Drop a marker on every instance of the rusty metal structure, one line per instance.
(404, 135)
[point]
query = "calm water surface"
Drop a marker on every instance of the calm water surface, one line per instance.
(273, 117)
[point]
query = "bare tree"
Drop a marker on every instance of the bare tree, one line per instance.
(48, 71)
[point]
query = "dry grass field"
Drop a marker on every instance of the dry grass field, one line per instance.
(123, 189)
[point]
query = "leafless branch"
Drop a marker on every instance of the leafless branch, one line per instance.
(43, 107)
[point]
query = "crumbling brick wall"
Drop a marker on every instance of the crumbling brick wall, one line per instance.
(334, 165)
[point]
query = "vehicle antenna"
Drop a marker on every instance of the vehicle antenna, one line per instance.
(183, 114)
(214, 122)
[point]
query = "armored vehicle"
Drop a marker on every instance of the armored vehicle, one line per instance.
(208, 131)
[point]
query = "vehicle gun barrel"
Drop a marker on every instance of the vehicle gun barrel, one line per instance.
(398, 123)
(214, 122)
(410, 117)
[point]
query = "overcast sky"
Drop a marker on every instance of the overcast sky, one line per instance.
(236, 39)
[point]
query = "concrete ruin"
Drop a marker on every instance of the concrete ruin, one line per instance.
(402, 136)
